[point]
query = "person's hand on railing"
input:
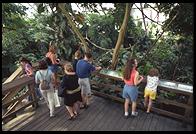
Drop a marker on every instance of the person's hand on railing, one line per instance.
(98, 68)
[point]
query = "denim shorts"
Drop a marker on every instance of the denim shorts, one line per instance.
(53, 68)
(130, 92)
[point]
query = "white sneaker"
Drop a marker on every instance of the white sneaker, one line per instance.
(51, 115)
(134, 114)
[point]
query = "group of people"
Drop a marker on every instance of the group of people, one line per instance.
(75, 85)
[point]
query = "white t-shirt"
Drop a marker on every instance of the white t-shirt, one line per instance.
(45, 74)
(152, 82)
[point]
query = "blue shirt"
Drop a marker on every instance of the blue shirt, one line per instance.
(84, 69)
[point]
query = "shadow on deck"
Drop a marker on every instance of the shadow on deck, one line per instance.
(102, 115)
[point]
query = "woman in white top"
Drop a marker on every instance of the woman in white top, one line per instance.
(48, 93)
(151, 88)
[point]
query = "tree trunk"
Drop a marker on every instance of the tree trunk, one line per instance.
(74, 28)
(121, 35)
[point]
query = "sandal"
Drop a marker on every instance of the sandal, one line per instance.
(84, 106)
(71, 118)
(75, 114)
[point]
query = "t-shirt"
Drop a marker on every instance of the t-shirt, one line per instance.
(132, 76)
(27, 68)
(84, 69)
(75, 61)
(69, 82)
(152, 82)
(39, 77)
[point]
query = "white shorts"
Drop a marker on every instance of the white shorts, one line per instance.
(85, 86)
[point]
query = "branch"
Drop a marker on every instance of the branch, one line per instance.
(152, 7)
(9, 28)
(72, 24)
(149, 18)
(78, 6)
(102, 8)
(105, 49)
(143, 18)
(160, 36)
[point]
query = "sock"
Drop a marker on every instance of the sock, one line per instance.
(126, 113)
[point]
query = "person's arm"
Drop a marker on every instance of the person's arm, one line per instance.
(29, 70)
(98, 68)
(53, 59)
(137, 79)
(70, 73)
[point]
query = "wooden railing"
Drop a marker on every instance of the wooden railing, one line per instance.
(10, 89)
(11, 102)
(180, 110)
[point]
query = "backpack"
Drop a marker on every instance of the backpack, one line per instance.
(44, 84)
(61, 92)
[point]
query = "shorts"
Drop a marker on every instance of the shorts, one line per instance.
(84, 86)
(150, 93)
(130, 92)
(53, 68)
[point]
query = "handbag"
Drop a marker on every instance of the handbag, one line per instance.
(61, 92)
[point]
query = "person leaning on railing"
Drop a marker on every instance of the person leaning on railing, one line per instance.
(28, 71)
(131, 78)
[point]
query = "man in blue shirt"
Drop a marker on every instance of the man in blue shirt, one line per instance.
(83, 70)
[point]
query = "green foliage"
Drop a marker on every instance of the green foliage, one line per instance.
(101, 30)
(12, 12)
(173, 55)
(183, 24)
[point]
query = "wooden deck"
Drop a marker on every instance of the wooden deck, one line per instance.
(102, 115)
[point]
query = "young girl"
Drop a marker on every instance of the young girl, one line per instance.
(130, 92)
(151, 88)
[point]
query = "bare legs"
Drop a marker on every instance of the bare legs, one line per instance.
(73, 110)
(126, 106)
(148, 102)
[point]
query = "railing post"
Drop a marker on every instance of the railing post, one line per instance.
(188, 111)
(33, 94)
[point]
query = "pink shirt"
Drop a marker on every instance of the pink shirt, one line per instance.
(132, 76)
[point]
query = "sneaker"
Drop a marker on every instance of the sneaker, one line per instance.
(41, 98)
(52, 115)
(84, 106)
(135, 114)
(147, 112)
(126, 116)
(71, 117)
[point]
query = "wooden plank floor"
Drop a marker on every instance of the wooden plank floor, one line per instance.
(102, 115)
